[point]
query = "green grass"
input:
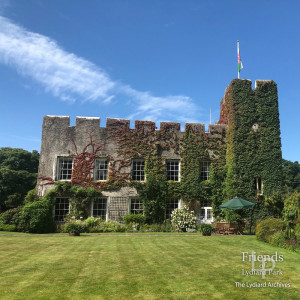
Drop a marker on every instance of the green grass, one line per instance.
(137, 267)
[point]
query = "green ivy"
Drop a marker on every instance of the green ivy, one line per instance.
(252, 153)
(80, 198)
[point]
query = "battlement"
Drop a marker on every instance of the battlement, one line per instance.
(262, 89)
(92, 123)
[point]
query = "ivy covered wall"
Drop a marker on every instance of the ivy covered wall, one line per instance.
(244, 147)
(253, 144)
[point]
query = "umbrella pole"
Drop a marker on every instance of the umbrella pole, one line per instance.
(251, 218)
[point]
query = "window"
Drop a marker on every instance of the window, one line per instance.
(101, 169)
(64, 170)
(136, 206)
(100, 208)
(204, 170)
(61, 208)
(171, 205)
(137, 170)
(173, 170)
(258, 186)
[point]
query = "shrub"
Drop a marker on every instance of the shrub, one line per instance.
(7, 227)
(291, 212)
(137, 219)
(183, 219)
(277, 239)
(109, 226)
(36, 217)
(163, 227)
(74, 227)
(297, 231)
(266, 228)
(92, 222)
(206, 229)
(231, 216)
(8, 216)
(31, 196)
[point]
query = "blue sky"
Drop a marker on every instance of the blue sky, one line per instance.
(160, 60)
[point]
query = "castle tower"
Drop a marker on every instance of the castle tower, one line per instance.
(253, 144)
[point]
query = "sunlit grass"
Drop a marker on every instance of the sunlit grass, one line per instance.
(137, 266)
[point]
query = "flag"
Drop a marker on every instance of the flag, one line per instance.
(240, 65)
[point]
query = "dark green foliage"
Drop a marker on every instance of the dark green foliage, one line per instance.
(254, 215)
(18, 170)
(266, 228)
(31, 196)
(80, 198)
(291, 175)
(154, 191)
(297, 231)
(36, 217)
(19, 159)
(75, 228)
(252, 153)
(206, 229)
(7, 227)
(137, 219)
(166, 226)
(193, 153)
(274, 205)
(217, 183)
(80, 201)
(10, 216)
(231, 216)
(14, 186)
(291, 212)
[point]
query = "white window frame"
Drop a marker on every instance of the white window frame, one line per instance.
(204, 170)
(106, 208)
(170, 210)
(97, 169)
(136, 211)
(60, 209)
(206, 206)
(59, 169)
(179, 165)
(132, 170)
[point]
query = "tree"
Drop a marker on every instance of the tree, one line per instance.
(18, 173)
(291, 175)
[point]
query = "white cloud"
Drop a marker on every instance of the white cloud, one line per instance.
(172, 107)
(71, 78)
(64, 74)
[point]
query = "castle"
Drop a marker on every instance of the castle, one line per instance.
(240, 155)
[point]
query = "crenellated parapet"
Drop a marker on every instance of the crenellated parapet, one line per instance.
(261, 91)
(61, 125)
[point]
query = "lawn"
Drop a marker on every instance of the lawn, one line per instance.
(135, 266)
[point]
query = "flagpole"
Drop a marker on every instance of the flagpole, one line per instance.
(238, 52)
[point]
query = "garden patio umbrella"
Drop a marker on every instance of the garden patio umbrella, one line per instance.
(237, 203)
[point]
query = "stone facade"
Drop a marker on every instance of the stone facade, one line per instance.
(60, 140)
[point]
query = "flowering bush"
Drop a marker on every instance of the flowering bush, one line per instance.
(183, 219)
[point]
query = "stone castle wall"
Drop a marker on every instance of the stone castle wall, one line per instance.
(59, 139)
